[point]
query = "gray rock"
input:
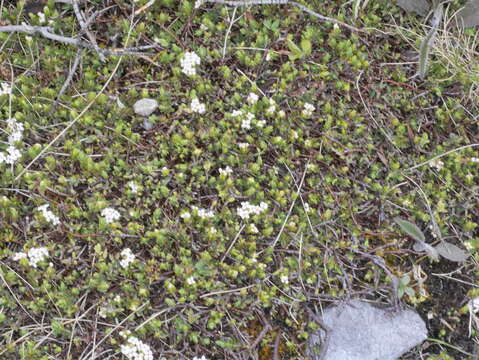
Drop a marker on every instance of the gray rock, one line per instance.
(468, 16)
(361, 331)
(145, 107)
(147, 125)
(420, 7)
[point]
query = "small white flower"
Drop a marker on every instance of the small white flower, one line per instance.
(191, 280)
(204, 213)
(135, 349)
(201, 358)
(306, 207)
(127, 258)
(133, 187)
(474, 160)
(188, 63)
(48, 214)
(247, 209)
(226, 171)
(246, 124)
(110, 215)
(12, 155)
(436, 163)
(236, 113)
(197, 107)
(34, 255)
(41, 18)
(252, 98)
(243, 146)
(185, 215)
(198, 3)
(6, 89)
(18, 256)
(308, 109)
(261, 123)
(284, 279)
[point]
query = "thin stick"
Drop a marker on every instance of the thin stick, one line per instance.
(45, 31)
(232, 243)
(285, 2)
(291, 207)
(440, 156)
(71, 73)
(84, 28)
(232, 21)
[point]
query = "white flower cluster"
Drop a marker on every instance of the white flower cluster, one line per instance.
(191, 280)
(185, 215)
(201, 358)
(236, 113)
(204, 213)
(252, 98)
(127, 258)
(226, 171)
(197, 107)
(6, 89)
(284, 279)
(247, 209)
(16, 133)
(436, 163)
(135, 349)
(110, 214)
(34, 255)
(41, 18)
(272, 107)
(308, 109)
(188, 63)
(246, 123)
(133, 187)
(198, 3)
(48, 214)
(474, 160)
(243, 146)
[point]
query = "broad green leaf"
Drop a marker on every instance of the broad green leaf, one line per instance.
(410, 229)
(451, 252)
(306, 47)
(296, 52)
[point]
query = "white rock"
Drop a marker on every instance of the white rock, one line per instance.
(145, 107)
(361, 331)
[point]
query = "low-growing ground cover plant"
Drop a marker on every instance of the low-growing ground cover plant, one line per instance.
(282, 149)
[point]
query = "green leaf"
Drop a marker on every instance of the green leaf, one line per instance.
(306, 47)
(410, 229)
(296, 52)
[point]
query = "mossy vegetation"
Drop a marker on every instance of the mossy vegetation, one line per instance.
(205, 280)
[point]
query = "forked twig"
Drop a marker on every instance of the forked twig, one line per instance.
(286, 2)
(46, 32)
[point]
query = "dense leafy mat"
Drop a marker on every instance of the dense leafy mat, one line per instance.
(207, 275)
